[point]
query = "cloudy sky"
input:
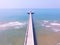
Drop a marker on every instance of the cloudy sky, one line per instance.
(29, 3)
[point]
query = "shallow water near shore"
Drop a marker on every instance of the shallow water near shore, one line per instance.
(13, 26)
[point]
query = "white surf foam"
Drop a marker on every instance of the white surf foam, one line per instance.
(15, 24)
(57, 24)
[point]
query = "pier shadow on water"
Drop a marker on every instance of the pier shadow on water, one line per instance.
(34, 32)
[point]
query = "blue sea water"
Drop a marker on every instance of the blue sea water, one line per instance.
(21, 14)
(16, 36)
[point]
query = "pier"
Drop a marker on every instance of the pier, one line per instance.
(29, 37)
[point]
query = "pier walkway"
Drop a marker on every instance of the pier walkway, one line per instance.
(29, 37)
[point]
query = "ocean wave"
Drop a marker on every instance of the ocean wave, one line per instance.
(15, 25)
(56, 30)
(51, 25)
(56, 24)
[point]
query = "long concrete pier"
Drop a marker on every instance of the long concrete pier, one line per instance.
(29, 37)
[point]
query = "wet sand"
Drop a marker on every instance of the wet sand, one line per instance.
(48, 39)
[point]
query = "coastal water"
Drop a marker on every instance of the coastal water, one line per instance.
(13, 25)
(21, 14)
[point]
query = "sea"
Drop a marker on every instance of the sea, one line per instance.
(13, 25)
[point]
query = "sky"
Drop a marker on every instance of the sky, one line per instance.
(29, 4)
